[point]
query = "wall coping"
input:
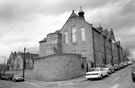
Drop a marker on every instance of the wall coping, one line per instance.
(43, 57)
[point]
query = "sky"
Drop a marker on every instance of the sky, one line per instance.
(23, 23)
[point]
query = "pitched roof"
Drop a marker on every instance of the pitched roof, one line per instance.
(28, 55)
(73, 14)
(99, 29)
(111, 35)
(118, 43)
(105, 32)
(44, 40)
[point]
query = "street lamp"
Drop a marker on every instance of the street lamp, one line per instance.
(24, 63)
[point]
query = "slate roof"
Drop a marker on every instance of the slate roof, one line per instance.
(28, 55)
(44, 40)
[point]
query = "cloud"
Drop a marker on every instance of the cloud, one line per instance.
(25, 22)
(14, 10)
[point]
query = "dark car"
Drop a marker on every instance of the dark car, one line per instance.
(111, 68)
(2, 77)
(116, 67)
(133, 73)
(8, 76)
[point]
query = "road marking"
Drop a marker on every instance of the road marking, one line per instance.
(115, 79)
(115, 86)
(113, 74)
(33, 84)
(123, 74)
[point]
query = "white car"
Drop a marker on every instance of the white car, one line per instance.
(98, 72)
(17, 78)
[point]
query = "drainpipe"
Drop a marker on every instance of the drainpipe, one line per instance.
(111, 53)
(93, 48)
(104, 52)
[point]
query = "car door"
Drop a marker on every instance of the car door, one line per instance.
(104, 71)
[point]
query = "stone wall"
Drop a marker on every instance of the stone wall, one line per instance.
(54, 68)
(58, 67)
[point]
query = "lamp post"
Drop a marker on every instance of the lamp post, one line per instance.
(24, 63)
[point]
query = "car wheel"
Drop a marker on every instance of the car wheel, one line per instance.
(107, 74)
(133, 79)
(101, 77)
(14, 80)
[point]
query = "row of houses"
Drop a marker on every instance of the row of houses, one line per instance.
(96, 46)
(16, 60)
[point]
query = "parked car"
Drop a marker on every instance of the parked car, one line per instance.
(129, 62)
(2, 77)
(125, 64)
(8, 75)
(108, 70)
(111, 68)
(116, 67)
(133, 73)
(17, 78)
(121, 65)
(98, 72)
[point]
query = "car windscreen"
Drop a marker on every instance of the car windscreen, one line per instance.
(94, 69)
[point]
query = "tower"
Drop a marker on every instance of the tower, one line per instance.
(81, 13)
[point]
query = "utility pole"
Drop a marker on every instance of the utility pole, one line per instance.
(24, 63)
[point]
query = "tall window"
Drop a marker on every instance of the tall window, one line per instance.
(74, 35)
(83, 38)
(66, 37)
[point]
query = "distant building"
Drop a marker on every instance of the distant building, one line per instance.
(15, 61)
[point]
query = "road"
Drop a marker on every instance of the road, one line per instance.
(119, 79)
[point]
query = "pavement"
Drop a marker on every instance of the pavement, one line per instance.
(57, 83)
(119, 79)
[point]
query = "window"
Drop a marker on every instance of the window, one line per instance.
(83, 61)
(74, 36)
(74, 51)
(66, 37)
(83, 34)
(55, 41)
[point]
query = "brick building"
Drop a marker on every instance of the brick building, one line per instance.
(69, 52)
(97, 46)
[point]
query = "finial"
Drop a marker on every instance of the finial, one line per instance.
(80, 8)
(72, 11)
(100, 25)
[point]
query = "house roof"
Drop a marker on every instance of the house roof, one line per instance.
(43, 40)
(118, 43)
(28, 55)
(105, 32)
(111, 35)
(73, 14)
